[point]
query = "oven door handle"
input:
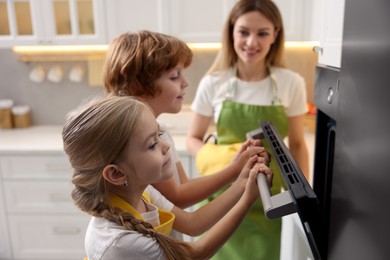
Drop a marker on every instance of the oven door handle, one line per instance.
(275, 206)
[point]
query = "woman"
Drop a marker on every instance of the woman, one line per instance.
(248, 84)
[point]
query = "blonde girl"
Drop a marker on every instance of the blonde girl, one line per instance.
(115, 149)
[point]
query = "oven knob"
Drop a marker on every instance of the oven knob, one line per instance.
(330, 95)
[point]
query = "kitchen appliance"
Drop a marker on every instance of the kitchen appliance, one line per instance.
(352, 147)
(352, 150)
(298, 198)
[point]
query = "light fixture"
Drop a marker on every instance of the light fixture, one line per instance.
(61, 52)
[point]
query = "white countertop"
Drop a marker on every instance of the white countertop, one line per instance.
(31, 139)
(49, 139)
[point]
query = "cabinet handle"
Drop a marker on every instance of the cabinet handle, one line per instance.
(66, 230)
(318, 49)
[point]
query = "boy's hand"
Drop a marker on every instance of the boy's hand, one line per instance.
(249, 148)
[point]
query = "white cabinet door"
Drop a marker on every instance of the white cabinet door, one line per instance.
(35, 202)
(292, 15)
(191, 21)
(188, 162)
(72, 21)
(202, 20)
(5, 247)
(330, 49)
(39, 197)
(133, 15)
(300, 19)
(35, 167)
(48, 237)
(51, 22)
(199, 21)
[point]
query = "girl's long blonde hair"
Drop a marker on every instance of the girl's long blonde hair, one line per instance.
(227, 57)
(136, 60)
(94, 136)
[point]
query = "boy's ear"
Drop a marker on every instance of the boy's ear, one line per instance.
(112, 174)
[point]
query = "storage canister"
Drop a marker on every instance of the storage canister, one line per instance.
(21, 116)
(5, 113)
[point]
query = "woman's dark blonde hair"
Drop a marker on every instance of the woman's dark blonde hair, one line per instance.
(94, 136)
(227, 57)
(136, 60)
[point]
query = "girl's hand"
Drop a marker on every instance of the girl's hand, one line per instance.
(244, 174)
(251, 188)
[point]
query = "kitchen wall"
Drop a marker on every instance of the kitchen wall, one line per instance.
(50, 101)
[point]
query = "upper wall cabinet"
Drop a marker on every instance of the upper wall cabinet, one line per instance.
(203, 20)
(199, 21)
(133, 15)
(51, 22)
(191, 21)
(329, 51)
(300, 19)
(55, 22)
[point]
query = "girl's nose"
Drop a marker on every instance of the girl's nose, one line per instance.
(165, 147)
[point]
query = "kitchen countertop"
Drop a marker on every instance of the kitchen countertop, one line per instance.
(48, 139)
(31, 139)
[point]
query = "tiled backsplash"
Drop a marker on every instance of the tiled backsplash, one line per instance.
(50, 102)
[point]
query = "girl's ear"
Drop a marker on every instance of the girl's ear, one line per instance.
(112, 174)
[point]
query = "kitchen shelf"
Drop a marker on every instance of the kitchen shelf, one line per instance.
(61, 53)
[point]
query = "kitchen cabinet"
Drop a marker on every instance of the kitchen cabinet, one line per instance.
(38, 219)
(133, 15)
(188, 162)
(5, 246)
(191, 21)
(51, 22)
(300, 19)
(57, 22)
(329, 51)
(198, 21)
(203, 20)
(37, 203)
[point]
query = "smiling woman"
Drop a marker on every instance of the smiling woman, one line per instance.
(252, 42)
(247, 84)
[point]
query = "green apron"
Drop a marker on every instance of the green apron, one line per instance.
(257, 237)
